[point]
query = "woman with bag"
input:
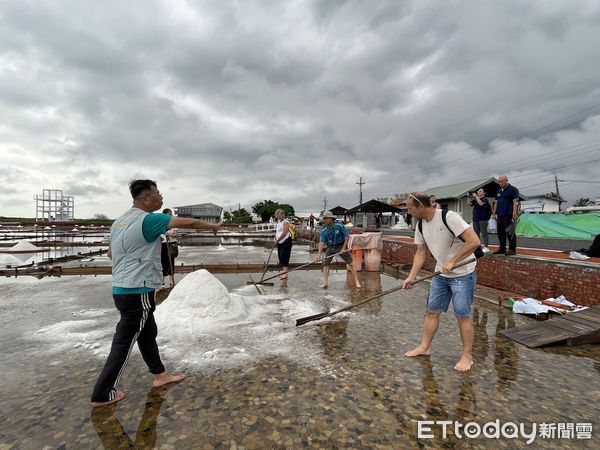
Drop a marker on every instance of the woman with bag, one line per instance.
(482, 211)
(283, 240)
(168, 252)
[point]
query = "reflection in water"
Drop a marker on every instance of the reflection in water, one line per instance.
(113, 435)
(465, 410)
(506, 355)
(371, 286)
(481, 343)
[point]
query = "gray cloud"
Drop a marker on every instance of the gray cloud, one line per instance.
(236, 102)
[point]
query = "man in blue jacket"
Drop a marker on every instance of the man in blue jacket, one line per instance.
(135, 248)
(334, 236)
(506, 213)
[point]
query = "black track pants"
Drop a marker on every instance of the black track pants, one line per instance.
(136, 324)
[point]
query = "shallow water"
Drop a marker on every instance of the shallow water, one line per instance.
(343, 382)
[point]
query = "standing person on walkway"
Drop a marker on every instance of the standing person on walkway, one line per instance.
(482, 211)
(334, 236)
(377, 220)
(311, 221)
(452, 285)
(135, 252)
(506, 213)
(434, 203)
(283, 240)
(168, 252)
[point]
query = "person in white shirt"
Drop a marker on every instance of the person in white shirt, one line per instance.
(452, 285)
(283, 240)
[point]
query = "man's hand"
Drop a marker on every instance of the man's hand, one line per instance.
(447, 268)
(318, 256)
(407, 284)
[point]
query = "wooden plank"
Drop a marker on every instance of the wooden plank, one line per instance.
(582, 321)
(537, 335)
(584, 315)
(576, 328)
(573, 327)
(592, 338)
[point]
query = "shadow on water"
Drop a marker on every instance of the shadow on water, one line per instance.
(113, 435)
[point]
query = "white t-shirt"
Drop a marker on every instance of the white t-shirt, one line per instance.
(279, 231)
(440, 242)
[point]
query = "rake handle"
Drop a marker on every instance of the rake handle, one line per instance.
(307, 264)
(304, 320)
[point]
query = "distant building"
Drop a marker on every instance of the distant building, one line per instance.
(54, 206)
(541, 203)
(205, 211)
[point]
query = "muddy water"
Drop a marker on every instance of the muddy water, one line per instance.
(341, 383)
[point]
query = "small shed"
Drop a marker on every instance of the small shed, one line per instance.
(364, 215)
(340, 212)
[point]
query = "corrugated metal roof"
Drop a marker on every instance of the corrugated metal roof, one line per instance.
(461, 189)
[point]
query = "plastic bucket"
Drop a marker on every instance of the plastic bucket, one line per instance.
(357, 258)
(372, 260)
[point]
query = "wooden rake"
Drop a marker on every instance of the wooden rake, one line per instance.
(320, 316)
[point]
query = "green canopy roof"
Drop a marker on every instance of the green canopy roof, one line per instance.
(578, 226)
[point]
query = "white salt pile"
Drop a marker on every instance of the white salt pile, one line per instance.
(197, 303)
(220, 248)
(200, 323)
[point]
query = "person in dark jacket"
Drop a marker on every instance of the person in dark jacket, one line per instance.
(482, 212)
(506, 212)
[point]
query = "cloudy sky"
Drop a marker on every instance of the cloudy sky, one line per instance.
(234, 102)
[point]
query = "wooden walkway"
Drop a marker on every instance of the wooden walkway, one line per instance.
(577, 328)
(59, 271)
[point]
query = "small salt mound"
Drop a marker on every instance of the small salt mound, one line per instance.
(220, 248)
(24, 246)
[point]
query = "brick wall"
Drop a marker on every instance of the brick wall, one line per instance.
(579, 283)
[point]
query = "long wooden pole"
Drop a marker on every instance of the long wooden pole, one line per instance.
(304, 320)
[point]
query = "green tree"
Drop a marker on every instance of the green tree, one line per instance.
(266, 209)
(583, 201)
(100, 217)
(237, 216)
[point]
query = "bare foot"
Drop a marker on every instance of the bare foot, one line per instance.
(323, 286)
(120, 396)
(464, 364)
(358, 285)
(419, 351)
(165, 378)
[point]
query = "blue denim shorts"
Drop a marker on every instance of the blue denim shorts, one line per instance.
(459, 290)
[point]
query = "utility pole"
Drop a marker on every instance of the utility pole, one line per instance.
(556, 180)
(360, 185)
(324, 204)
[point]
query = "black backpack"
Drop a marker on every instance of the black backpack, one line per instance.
(478, 251)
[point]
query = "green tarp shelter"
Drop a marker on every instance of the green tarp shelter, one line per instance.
(576, 226)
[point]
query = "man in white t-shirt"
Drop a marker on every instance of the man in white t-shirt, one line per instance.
(452, 285)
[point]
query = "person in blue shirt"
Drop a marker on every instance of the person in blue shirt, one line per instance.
(135, 249)
(334, 237)
(506, 213)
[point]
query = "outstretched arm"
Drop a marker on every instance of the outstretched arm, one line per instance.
(196, 224)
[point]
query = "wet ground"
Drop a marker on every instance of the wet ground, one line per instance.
(340, 383)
